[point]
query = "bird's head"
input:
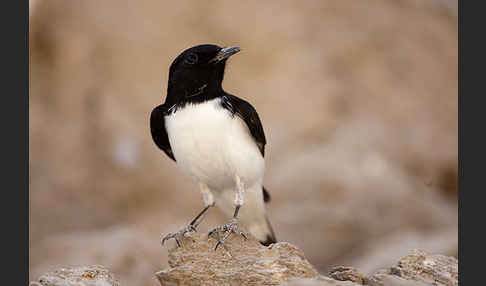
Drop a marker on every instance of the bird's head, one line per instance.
(198, 70)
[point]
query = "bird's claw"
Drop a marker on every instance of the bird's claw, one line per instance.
(178, 234)
(229, 228)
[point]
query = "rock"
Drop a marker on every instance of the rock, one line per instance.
(416, 269)
(240, 262)
(320, 281)
(94, 275)
(422, 267)
(246, 262)
(343, 273)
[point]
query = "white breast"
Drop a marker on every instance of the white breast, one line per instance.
(212, 146)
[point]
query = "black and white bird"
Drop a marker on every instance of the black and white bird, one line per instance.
(217, 139)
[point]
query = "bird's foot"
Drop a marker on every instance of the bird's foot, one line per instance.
(178, 234)
(231, 227)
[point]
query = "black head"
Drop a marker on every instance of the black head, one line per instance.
(197, 73)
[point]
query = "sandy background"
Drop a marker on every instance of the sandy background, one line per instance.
(358, 100)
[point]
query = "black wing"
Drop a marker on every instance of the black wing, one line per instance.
(234, 104)
(246, 112)
(159, 133)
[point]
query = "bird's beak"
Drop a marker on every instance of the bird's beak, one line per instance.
(225, 53)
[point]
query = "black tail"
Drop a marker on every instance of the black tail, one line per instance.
(266, 195)
(270, 236)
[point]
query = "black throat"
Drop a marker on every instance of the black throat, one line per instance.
(197, 88)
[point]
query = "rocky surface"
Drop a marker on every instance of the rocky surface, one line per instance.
(342, 273)
(416, 269)
(246, 262)
(422, 267)
(94, 275)
(240, 262)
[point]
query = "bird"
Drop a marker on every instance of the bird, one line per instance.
(217, 140)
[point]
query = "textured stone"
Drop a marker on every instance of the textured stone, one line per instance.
(422, 267)
(240, 262)
(246, 262)
(320, 281)
(343, 273)
(94, 275)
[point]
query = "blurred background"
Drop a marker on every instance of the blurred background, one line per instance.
(361, 171)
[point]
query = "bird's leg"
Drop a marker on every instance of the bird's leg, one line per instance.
(232, 226)
(208, 202)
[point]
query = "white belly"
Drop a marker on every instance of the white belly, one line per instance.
(213, 147)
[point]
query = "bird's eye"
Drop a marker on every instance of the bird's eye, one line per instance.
(191, 59)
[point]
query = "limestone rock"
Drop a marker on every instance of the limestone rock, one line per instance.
(94, 275)
(342, 273)
(240, 262)
(246, 262)
(422, 267)
(320, 281)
